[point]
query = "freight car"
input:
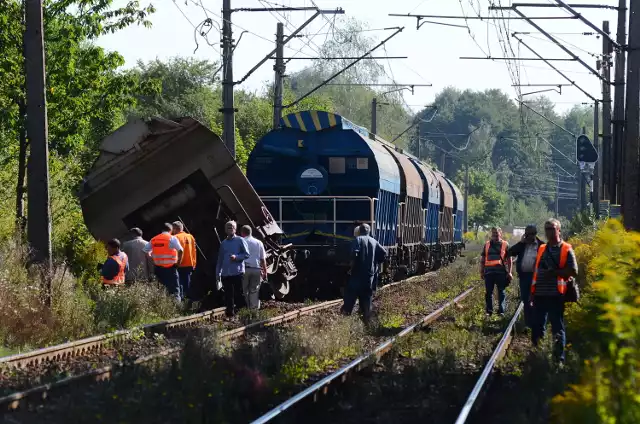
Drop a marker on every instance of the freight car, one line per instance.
(320, 175)
(156, 171)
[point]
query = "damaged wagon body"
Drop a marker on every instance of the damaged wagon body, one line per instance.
(156, 171)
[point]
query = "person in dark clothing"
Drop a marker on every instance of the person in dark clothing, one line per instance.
(495, 270)
(526, 252)
(366, 254)
(114, 269)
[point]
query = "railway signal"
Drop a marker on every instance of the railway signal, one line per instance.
(585, 150)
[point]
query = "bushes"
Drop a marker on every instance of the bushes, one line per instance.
(77, 310)
(608, 325)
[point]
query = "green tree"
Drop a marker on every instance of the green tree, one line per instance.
(85, 93)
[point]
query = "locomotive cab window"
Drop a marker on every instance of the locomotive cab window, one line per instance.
(337, 165)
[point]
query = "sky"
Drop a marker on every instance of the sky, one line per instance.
(433, 51)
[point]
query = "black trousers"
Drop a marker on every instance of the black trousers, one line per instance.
(232, 286)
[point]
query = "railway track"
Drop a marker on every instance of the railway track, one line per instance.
(89, 344)
(79, 348)
(14, 400)
(476, 389)
(363, 361)
(482, 384)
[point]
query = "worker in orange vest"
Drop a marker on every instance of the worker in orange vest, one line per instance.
(495, 270)
(555, 264)
(188, 263)
(166, 252)
(114, 269)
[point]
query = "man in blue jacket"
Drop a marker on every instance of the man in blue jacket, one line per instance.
(366, 254)
(526, 252)
(230, 267)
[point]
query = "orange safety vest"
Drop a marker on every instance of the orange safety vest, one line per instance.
(188, 243)
(161, 254)
(119, 278)
(564, 253)
(495, 262)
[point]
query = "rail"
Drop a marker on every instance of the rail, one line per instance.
(13, 400)
(88, 344)
(359, 362)
(498, 353)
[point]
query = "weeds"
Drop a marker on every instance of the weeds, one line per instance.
(76, 311)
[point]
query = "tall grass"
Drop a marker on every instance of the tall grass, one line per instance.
(608, 324)
(77, 310)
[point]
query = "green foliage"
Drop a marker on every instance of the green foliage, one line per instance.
(486, 202)
(609, 323)
(130, 306)
(78, 310)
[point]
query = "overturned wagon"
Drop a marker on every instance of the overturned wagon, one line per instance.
(156, 171)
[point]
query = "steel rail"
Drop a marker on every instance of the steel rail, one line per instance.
(498, 354)
(359, 362)
(14, 400)
(82, 346)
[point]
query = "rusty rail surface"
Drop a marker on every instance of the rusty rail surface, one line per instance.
(89, 344)
(14, 400)
(498, 354)
(360, 362)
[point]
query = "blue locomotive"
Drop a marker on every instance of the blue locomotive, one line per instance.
(320, 175)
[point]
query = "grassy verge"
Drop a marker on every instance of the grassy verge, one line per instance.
(235, 382)
(77, 310)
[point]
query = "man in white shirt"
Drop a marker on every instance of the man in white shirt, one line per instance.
(255, 269)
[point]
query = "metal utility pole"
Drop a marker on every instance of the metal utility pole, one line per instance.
(39, 214)
(631, 174)
(595, 184)
(583, 184)
(419, 144)
(617, 152)
(279, 78)
(228, 108)
(466, 199)
(605, 164)
(374, 117)
(557, 193)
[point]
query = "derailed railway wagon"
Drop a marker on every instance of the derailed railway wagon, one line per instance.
(320, 175)
(159, 170)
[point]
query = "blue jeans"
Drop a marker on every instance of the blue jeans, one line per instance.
(169, 279)
(552, 307)
(499, 281)
(360, 288)
(526, 279)
(184, 275)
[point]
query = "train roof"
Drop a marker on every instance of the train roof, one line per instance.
(317, 121)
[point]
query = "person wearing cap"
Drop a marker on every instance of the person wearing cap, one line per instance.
(140, 264)
(188, 263)
(366, 254)
(526, 252)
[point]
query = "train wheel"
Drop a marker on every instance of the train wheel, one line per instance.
(280, 288)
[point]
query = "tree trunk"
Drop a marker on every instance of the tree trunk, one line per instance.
(21, 219)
